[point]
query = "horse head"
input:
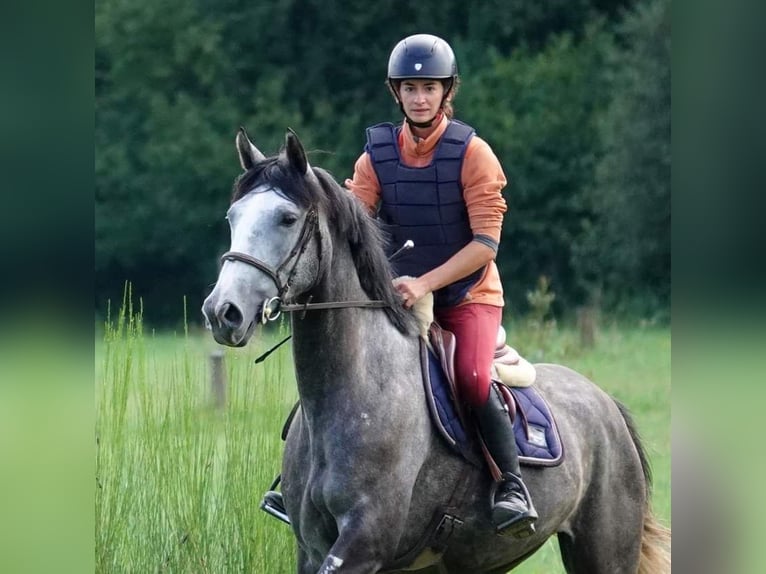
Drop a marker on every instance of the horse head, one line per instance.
(275, 240)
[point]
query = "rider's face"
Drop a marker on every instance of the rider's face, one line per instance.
(421, 99)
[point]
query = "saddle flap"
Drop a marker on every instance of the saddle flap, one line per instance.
(443, 344)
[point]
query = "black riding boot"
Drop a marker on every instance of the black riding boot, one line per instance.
(512, 510)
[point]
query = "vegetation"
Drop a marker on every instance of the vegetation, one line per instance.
(573, 96)
(179, 480)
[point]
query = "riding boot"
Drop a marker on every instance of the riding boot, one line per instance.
(512, 510)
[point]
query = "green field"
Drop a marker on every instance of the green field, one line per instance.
(179, 480)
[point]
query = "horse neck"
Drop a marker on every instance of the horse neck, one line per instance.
(340, 282)
(343, 352)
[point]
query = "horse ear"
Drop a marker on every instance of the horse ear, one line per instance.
(295, 152)
(248, 153)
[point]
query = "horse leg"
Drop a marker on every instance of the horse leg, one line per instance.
(603, 541)
(352, 554)
(367, 538)
(305, 565)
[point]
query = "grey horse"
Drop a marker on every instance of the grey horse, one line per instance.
(368, 484)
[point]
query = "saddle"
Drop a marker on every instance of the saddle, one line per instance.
(508, 366)
(537, 436)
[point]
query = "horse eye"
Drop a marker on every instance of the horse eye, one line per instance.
(288, 219)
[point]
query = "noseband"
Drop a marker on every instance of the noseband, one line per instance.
(309, 225)
(273, 307)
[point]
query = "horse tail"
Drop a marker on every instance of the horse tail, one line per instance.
(655, 538)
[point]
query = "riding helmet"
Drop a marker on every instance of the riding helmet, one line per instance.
(422, 56)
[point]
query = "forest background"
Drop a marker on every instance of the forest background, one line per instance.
(573, 96)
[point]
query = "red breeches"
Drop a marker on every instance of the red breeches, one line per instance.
(475, 328)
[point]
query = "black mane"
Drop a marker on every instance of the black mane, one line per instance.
(347, 219)
(276, 172)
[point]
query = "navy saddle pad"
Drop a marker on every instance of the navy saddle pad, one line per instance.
(537, 437)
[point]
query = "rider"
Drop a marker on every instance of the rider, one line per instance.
(434, 181)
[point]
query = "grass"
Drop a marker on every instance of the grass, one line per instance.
(179, 480)
(632, 363)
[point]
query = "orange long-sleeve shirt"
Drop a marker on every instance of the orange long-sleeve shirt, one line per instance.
(482, 179)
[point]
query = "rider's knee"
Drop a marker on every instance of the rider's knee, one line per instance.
(474, 389)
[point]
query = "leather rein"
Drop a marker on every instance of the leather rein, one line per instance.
(272, 308)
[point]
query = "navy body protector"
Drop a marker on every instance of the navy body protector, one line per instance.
(424, 204)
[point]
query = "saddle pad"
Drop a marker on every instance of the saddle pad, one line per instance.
(443, 412)
(537, 437)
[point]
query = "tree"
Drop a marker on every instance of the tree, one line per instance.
(539, 112)
(175, 79)
(164, 127)
(628, 246)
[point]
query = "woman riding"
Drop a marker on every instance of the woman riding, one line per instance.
(433, 181)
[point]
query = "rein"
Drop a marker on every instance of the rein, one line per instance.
(308, 306)
(275, 306)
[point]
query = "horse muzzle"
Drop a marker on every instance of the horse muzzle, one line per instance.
(228, 323)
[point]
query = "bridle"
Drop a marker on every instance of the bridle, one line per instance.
(309, 226)
(275, 306)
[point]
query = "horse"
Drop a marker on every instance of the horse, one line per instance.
(364, 472)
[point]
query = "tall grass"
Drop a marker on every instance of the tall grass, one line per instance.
(179, 480)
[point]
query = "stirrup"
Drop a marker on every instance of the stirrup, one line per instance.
(274, 504)
(523, 524)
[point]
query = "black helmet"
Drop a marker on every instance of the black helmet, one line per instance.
(422, 56)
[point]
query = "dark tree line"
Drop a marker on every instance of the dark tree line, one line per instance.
(574, 96)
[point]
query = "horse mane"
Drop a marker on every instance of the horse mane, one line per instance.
(366, 239)
(348, 220)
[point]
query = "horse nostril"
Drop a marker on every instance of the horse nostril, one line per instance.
(230, 315)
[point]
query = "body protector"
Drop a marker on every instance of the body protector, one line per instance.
(424, 204)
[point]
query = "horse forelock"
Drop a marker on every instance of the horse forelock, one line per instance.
(273, 171)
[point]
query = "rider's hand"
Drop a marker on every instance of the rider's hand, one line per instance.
(412, 290)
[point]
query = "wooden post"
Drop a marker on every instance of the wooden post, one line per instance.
(588, 317)
(218, 378)
(586, 321)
